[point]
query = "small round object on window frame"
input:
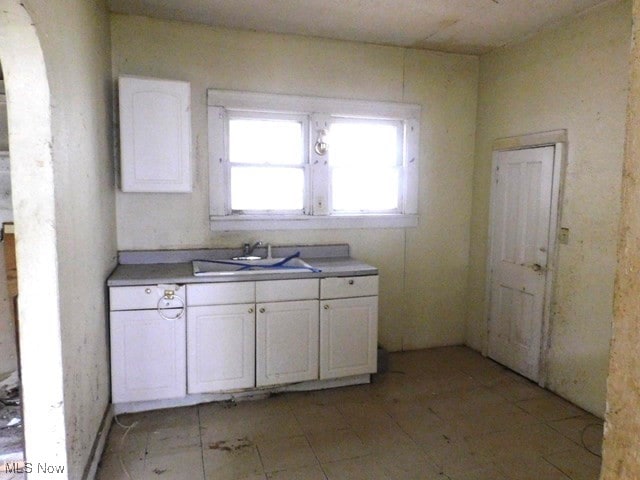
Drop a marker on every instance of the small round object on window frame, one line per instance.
(321, 146)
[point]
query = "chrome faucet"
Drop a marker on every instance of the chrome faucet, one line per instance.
(247, 248)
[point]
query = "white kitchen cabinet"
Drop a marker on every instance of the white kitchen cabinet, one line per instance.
(155, 135)
(221, 337)
(148, 356)
(221, 347)
(287, 342)
(348, 326)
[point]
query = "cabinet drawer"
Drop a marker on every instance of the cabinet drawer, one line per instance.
(144, 297)
(221, 293)
(283, 290)
(345, 287)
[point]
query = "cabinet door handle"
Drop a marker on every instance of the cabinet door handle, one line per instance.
(251, 310)
(147, 290)
(326, 307)
(262, 310)
(351, 282)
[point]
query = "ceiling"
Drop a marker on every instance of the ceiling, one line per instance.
(462, 26)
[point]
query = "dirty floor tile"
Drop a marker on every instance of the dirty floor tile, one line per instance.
(335, 445)
(305, 473)
(440, 414)
(286, 454)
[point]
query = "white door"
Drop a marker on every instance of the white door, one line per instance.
(220, 348)
(148, 358)
(287, 342)
(348, 337)
(521, 216)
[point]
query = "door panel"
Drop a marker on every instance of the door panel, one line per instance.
(220, 348)
(148, 358)
(287, 342)
(520, 246)
(348, 337)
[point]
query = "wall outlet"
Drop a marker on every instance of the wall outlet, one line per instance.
(563, 237)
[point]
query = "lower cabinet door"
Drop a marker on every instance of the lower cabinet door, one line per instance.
(348, 337)
(287, 342)
(220, 348)
(148, 357)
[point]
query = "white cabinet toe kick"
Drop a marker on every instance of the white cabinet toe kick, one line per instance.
(178, 345)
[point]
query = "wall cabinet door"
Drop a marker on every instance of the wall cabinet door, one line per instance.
(287, 342)
(348, 337)
(221, 347)
(148, 357)
(155, 135)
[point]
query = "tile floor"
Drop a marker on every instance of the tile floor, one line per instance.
(445, 413)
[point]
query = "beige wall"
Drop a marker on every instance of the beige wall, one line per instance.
(423, 270)
(622, 431)
(573, 77)
(75, 39)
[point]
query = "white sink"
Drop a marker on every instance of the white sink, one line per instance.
(250, 267)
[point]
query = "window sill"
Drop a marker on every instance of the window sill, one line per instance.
(279, 222)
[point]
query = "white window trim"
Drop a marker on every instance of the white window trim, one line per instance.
(318, 109)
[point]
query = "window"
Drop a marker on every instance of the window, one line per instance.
(365, 161)
(267, 163)
(280, 161)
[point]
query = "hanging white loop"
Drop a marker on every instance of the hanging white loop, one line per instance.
(160, 309)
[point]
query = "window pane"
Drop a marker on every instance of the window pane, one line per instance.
(364, 144)
(365, 189)
(267, 188)
(265, 141)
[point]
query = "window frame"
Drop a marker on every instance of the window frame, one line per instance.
(320, 112)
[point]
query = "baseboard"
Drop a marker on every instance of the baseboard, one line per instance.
(99, 444)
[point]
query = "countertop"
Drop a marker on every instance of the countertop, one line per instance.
(182, 272)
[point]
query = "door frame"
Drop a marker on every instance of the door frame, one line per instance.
(559, 140)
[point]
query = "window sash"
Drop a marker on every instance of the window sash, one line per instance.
(230, 115)
(397, 165)
(398, 170)
(398, 125)
(303, 120)
(266, 168)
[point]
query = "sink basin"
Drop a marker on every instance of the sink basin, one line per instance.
(250, 267)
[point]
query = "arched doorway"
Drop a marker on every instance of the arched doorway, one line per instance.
(30, 143)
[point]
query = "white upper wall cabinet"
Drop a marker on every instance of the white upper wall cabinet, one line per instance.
(155, 135)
